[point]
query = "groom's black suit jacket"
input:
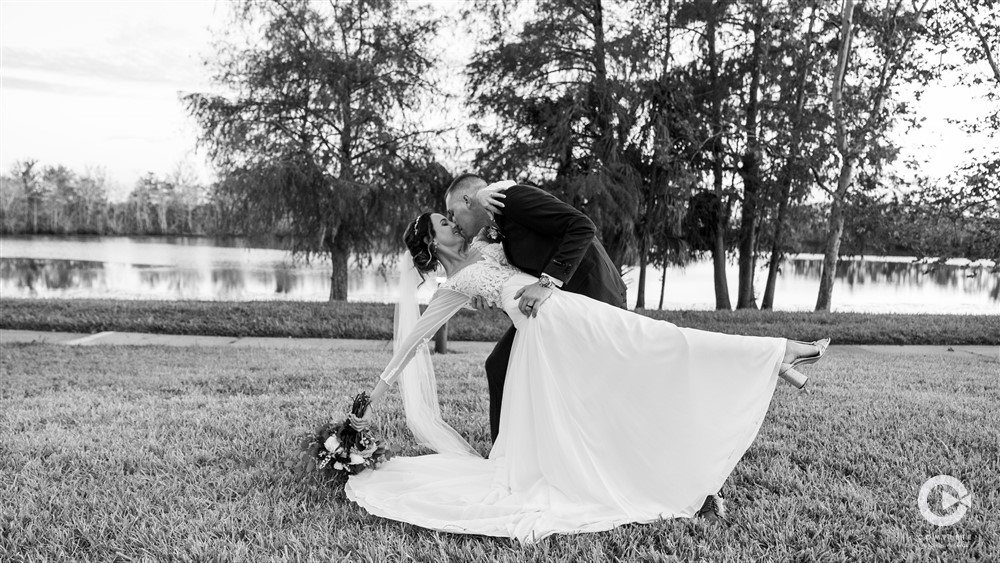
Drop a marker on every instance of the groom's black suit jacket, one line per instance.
(543, 234)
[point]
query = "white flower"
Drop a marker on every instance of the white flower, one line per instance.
(332, 443)
(357, 459)
(338, 466)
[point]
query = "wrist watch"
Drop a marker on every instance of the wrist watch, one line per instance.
(545, 281)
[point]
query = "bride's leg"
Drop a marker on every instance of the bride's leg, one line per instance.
(800, 353)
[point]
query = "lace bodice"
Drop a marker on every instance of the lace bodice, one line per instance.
(486, 277)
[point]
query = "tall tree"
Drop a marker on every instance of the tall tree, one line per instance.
(28, 176)
(548, 78)
(797, 61)
(872, 53)
(317, 135)
(750, 169)
(971, 30)
(92, 190)
(714, 84)
(60, 186)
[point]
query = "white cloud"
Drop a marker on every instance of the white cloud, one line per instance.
(97, 83)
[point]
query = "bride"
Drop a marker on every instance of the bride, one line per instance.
(609, 417)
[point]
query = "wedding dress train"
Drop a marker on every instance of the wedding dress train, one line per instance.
(609, 417)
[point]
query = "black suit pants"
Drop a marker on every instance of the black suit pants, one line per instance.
(496, 374)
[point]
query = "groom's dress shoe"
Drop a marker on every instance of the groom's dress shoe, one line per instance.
(714, 508)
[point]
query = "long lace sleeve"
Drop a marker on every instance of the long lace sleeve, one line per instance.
(443, 305)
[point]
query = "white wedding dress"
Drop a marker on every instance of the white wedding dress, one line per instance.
(609, 417)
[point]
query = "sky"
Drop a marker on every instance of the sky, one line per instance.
(97, 85)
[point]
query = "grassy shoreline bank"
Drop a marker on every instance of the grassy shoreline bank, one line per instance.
(373, 321)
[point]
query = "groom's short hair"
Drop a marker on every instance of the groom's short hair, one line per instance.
(464, 182)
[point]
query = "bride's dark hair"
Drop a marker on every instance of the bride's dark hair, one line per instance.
(419, 240)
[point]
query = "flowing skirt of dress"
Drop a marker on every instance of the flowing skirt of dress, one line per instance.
(609, 417)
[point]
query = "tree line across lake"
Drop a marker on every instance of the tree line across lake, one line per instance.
(55, 200)
(744, 128)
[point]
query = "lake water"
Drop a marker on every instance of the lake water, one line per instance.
(213, 269)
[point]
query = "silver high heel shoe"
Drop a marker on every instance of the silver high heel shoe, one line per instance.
(794, 376)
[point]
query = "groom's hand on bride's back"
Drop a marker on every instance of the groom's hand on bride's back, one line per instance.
(531, 298)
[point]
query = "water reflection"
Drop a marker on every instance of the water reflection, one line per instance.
(975, 279)
(882, 284)
(46, 278)
(185, 268)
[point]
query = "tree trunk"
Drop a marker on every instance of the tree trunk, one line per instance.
(776, 253)
(663, 283)
(835, 229)
(748, 231)
(601, 102)
(338, 277)
(719, 244)
(785, 181)
(835, 225)
(719, 265)
(750, 173)
(640, 300)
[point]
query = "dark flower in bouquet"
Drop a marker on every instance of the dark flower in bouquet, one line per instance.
(338, 450)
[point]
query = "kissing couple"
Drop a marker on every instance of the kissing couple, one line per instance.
(599, 416)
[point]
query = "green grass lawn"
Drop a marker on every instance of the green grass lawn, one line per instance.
(374, 321)
(132, 453)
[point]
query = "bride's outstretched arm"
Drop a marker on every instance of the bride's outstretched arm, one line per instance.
(443, 305)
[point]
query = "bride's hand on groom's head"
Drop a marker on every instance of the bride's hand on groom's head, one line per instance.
(491, 197)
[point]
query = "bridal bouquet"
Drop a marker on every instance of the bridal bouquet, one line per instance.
(338, 450)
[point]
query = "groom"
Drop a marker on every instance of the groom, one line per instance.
(552, 240)
(542, 236)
